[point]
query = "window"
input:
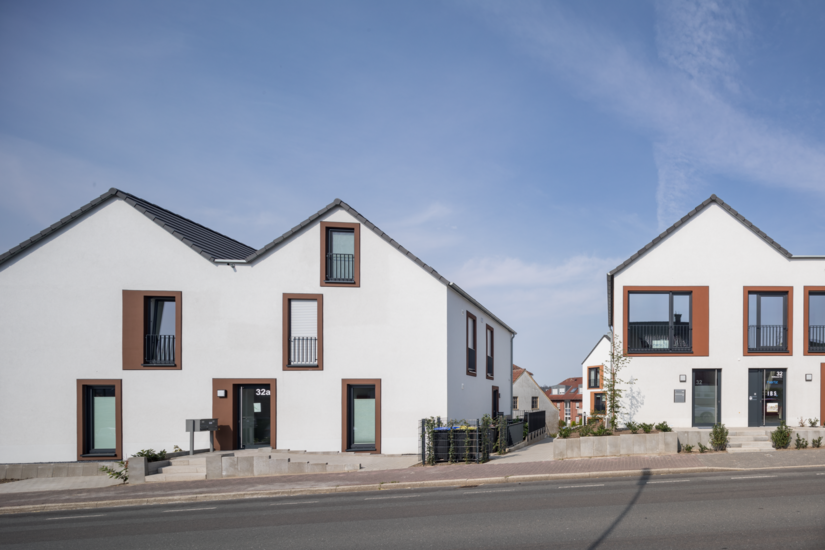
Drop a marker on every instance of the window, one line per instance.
(767, 321)
(99, 419)
(593, 375)
(659, 322)
(578, 405)
(490, 371)
(567, 411)
(303, 331)
(814, 320)
(515, 403)
(340, 254)
(534, 403)
(471, 344)
(361, 415)
(152, 323)
(598, 403)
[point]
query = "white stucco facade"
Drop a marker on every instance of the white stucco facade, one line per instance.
(526, 388)
(716, 250)
(598, 357)
(61, 321)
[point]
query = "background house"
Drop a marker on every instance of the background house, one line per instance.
(567, 397)
(528, 396)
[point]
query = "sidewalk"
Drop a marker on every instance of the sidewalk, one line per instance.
(493, 472)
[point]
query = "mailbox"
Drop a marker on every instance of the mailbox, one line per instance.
(201, 425)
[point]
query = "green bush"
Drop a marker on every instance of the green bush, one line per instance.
(633, 427)
(585, 431)
(602, 431)
(646, 428)
(813, 422)
(663, 427)
(151, 456)
(688, 448)
(781, 436)
(122, 474)
(816, 443)
(702, 448)
(801, 442)
(719, 437)
(562, 423)
(565, 432)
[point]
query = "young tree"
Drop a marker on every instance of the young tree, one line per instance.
(617, 361)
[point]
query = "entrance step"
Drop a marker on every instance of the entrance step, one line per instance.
(730, 450)
(176, 477)
(750, 444)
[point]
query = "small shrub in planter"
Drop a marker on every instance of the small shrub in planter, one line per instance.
(585, 431)
(813, 422)
(646, 428)
(151, 456)
(633, 427)
(565, 432)
(719, 437)
(562, 424)
(663, 427)
(801, 442)
(602, 431)
(781, 436)
(688, 448)
(816, 443)
(702, 448)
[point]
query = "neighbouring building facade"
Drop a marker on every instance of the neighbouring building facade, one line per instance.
(528, 396)
(721, 323)
(593, 399)
(129, 319)
(567, 397)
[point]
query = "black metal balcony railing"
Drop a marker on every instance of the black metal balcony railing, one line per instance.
(303, 351)
(767, 338)
(816, 338)
(341, 268)
(661, 338)
(159, 349)
(471, 359)
(489, 366)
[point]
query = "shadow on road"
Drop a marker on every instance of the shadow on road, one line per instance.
(641, 483)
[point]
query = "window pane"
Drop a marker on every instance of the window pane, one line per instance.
(681, 308)
(471, 331)
(773, 310)
(649, 308)
(816, 309)
(161, 313)
(363, 416)
(343, 242)
(104, 422)
(752, 309)
(489, 343)
(303, 317)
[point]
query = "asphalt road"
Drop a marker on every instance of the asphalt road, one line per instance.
(776, 509)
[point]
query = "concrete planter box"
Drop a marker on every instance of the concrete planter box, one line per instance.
(616, 445)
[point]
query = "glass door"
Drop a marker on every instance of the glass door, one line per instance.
(100, 417)
(774, 397)
(707, 399)
(361, 418)
(254, 416)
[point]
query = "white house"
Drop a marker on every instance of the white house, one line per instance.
(721, 324)
(528, 396)
(122, 320)
(593, 401)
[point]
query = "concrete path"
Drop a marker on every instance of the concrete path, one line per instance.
(537, 452)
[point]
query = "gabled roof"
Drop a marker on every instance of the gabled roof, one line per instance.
(210, 244)
(572, 391)
(597, 345)
(713, 199)
(518, 371)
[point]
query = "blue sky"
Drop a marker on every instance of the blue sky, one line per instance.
(523, 149)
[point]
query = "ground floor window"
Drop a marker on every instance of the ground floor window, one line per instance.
(361, 415)
(599, 403)
(707, 397)
(99, 419)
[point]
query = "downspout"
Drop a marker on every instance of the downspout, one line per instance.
(510, 370)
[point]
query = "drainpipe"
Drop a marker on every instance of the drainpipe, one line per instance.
(510, 370)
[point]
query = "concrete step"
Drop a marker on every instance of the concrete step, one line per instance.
(182, 469)
(743, 438)
(730, 450)
(749, 433)
(175, 477)
(751, 444)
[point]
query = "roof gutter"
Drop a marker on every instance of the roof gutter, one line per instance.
(481, 307)
(229, 261)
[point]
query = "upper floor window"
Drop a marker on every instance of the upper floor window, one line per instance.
(152, 324)
(534, 403)
(816, 321)
(659, 322)
(303, 332)
(767, 321)
(471, 344)
(340, 254)
(515, 402)
(159, 339)
(593, 377)
(490, 371)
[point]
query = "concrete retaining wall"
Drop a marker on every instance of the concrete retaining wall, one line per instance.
(245, 466)
(31, 471)
(616, 445)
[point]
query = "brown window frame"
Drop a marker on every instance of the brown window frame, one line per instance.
(345, 384)
(356, 268)
(593, 402)
(475, 342)
(118, 384)
(134, 328)
(490, 337)
(806, 292)
(319, 298)
(601, 377)
(746, 291)
(700, 306)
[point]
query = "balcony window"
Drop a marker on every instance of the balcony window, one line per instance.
(593, 377)
(303, 332)
(816, 322)
(471, 344)
(340, 255)
(159, 339)
(659, 322)
(490, 371)
(768, 322)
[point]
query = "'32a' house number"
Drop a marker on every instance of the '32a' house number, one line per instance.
(260, 391)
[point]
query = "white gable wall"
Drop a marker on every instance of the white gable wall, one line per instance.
(599, 356)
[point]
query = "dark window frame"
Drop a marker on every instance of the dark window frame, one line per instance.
(671, 349)
(603, 400)
(472, 354)
(345, 413)
(787, 309)
(590, 385)
(135, 324)
(489, 360)
(83, 422)
(356, 229)
(286, 326)
(808, 292)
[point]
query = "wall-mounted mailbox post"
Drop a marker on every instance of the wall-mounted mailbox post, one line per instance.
(201, 425)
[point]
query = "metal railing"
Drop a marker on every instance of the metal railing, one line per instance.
(767, 338)
(489, 366)
(341, 268)
(471, 359)
(159, 349)
(303, 351)
(816, 338)
(662, 338)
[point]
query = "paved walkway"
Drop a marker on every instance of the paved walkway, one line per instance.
(493, 469)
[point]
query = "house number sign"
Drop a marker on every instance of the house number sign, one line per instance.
(260, 391)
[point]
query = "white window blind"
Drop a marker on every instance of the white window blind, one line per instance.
(303, 316)
(471, 332)
(489, 343)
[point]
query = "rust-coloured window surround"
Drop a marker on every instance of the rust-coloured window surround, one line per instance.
(144, 348)
(345, 413)
(699, 323)
(755, 336)
(814, 331)
(340, 269)
(472, 345)
(84, 424)
(490, 353)
(225, 410)
(301, 352)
